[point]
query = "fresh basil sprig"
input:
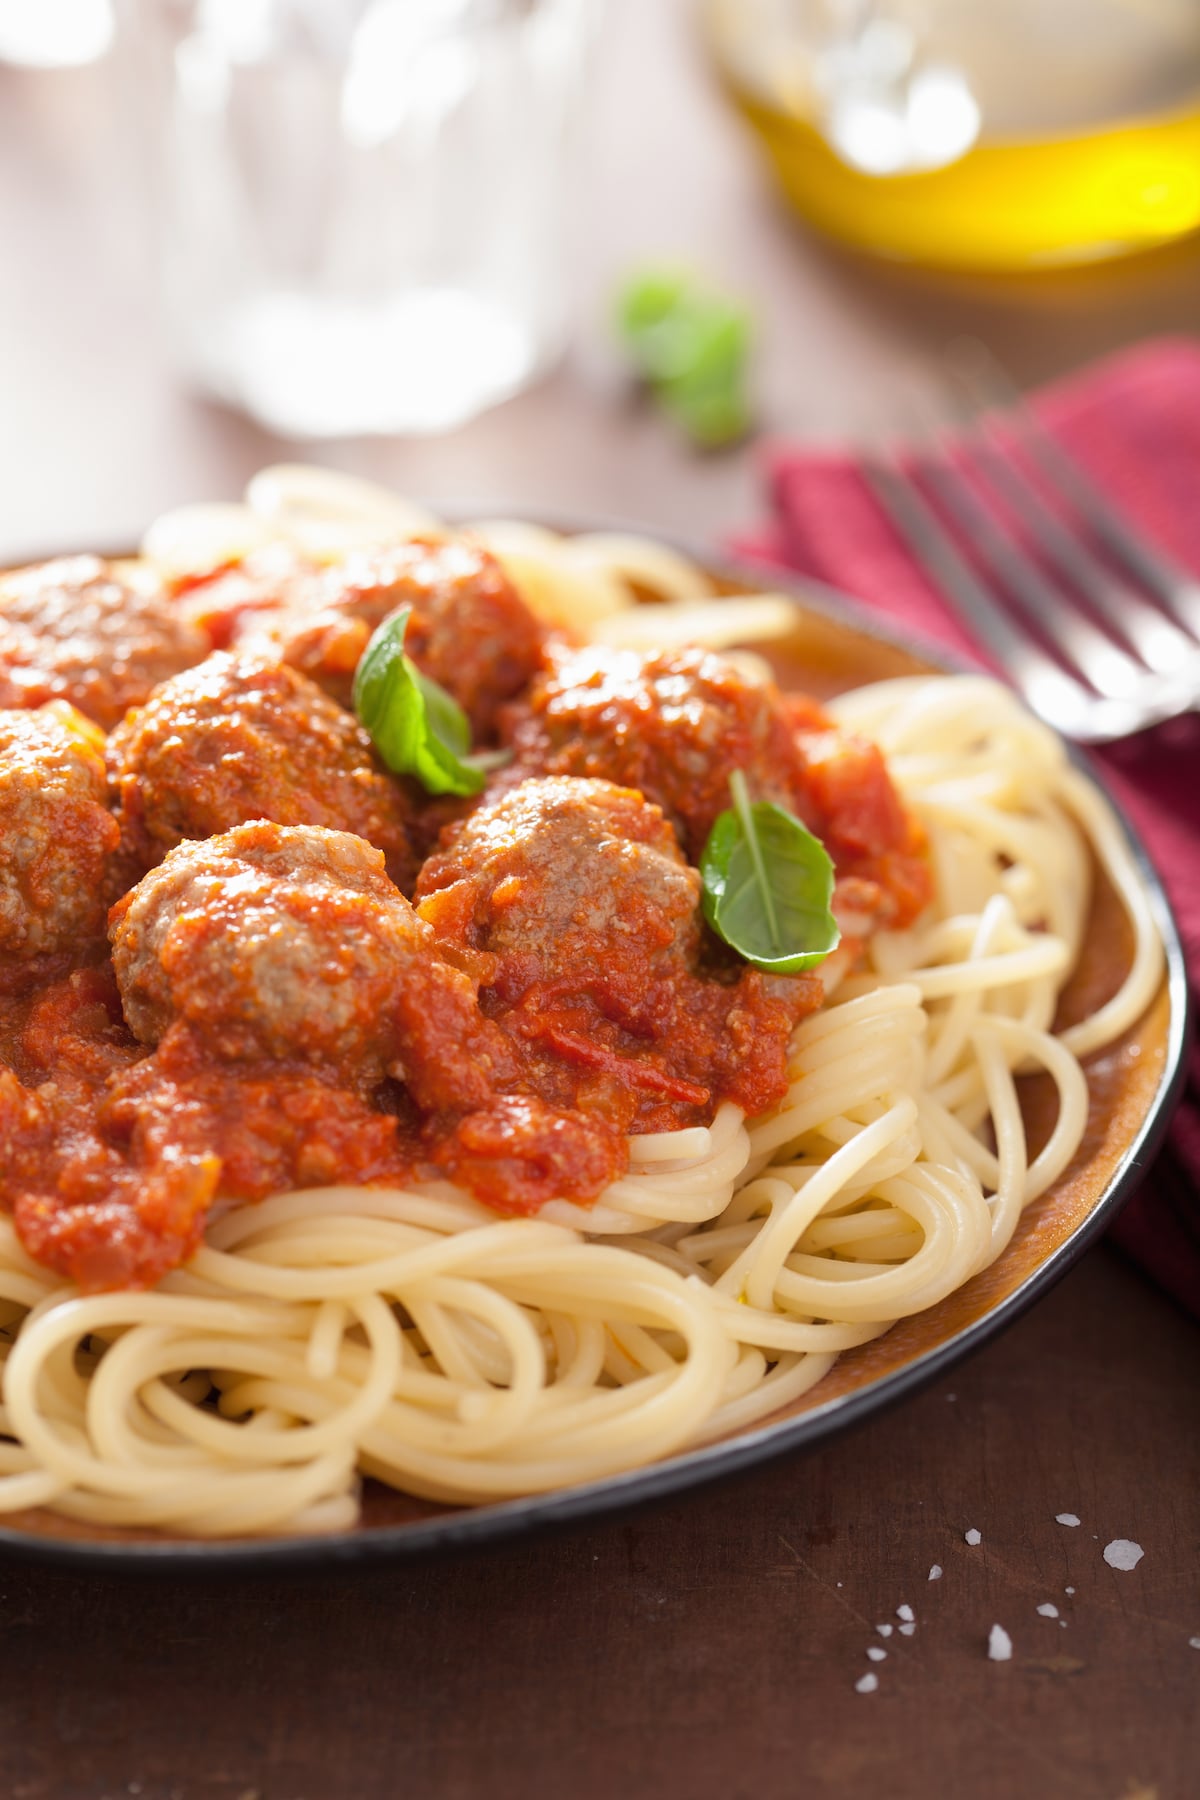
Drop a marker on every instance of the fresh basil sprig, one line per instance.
(692, 346)
(414, 724)
(767, 884)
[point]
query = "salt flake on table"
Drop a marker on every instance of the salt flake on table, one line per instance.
(884, 1630)
(1195, 1643)
(905, 1612)
(935, 1574)
(1123, 1553)
(973, 1536)
(866, 1684)
(1066, 1519)
(907, 1629)
(1068, 1590)
(1048, 1609)
(999, 1644)
(876, 1652)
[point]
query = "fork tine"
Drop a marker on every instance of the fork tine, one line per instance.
(991, 387)
(1108, 669)
(1057, 696)
(1142, 627)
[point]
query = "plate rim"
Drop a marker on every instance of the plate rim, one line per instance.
(509, 1521)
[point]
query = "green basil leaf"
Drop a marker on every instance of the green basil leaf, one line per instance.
(446, 718)
(414, 724)
(767, 885)
(692, 346)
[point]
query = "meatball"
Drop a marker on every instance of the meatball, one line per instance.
(73, 630)
(469, 629)
(271, 942)
(673, 725)
(569, 881)
(227, 603)
(578, 896)
(56, 835)
(236, 739)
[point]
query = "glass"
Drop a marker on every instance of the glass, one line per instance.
(360, 203)
(975, 133)
(54, 34)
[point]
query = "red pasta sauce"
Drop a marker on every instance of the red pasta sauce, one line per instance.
(268, 1010)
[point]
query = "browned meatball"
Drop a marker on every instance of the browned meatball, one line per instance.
(270, 941)
(226, 605)
(236, 739)
(575, 881)
(577, 898)
(469, 629)
(71, 630)
(56, 835)
(674, 725)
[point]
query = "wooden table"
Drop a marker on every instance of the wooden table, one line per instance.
(710, 1648)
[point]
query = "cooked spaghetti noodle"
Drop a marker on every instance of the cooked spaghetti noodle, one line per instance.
(409, 1334)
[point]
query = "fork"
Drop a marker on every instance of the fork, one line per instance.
(1101, 631)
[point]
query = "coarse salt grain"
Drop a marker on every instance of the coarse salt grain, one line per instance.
(884, 1630)
(1123, 1553)
(876, 1652)
(905, 1612)
(999, 1644)
(1048, 1610)
(1195, 1643)
(1066, 1518)
(935, 1574)
(907, 1629)
(1068, 1590)
(973, 1536)
(866, 1684)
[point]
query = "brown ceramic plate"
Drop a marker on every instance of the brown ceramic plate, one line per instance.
(1133, 1084)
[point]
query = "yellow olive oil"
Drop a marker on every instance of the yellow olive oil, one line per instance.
(1012, 191)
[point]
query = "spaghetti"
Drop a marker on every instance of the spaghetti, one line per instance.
(409, 1334)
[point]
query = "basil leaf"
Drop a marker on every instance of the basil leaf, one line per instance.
(767, 884)
(692, 346)
(414, 724)
(446, 718)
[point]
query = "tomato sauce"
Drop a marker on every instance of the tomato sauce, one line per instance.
(562, 991)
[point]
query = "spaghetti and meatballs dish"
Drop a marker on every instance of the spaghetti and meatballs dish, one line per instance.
(462, 1024)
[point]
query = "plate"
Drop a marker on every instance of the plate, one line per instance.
(1132, 1085)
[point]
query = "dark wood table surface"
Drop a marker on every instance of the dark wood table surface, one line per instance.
(709, 1648)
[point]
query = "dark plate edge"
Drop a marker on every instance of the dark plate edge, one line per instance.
(515, 1519)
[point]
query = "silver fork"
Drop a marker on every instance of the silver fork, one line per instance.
(1099, 648)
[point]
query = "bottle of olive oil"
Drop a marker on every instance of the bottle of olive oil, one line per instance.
(975, 134)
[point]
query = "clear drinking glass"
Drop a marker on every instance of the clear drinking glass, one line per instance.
(360, 203)
(54, 34)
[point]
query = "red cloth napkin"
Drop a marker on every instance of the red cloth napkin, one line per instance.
(1134, 422)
